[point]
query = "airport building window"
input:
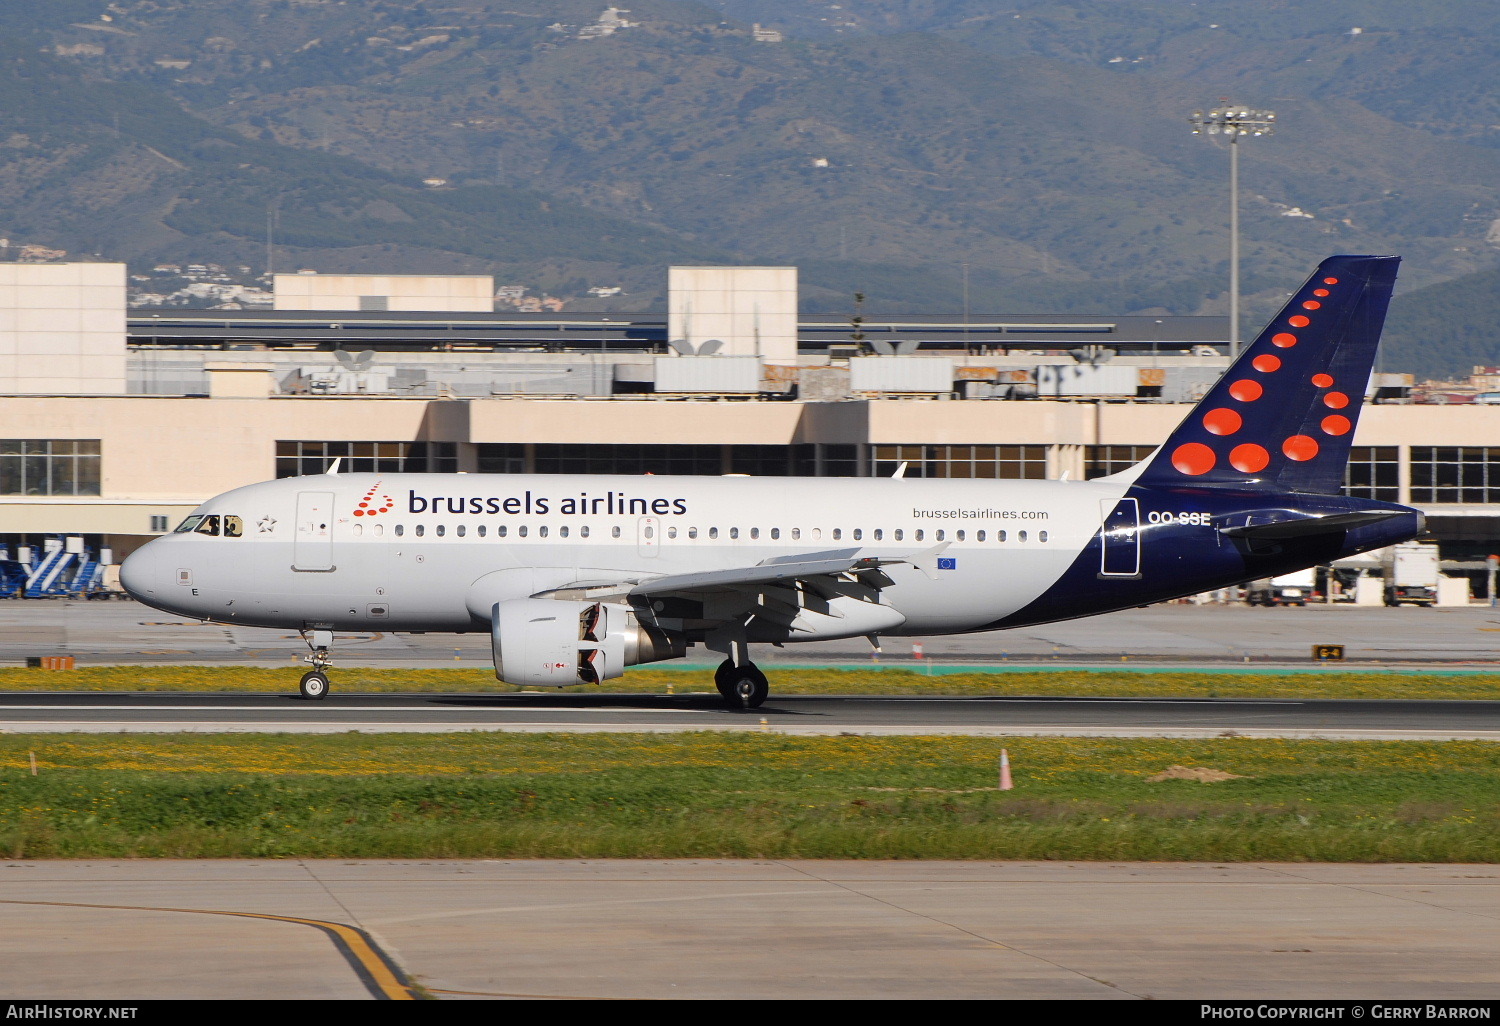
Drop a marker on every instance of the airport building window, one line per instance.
(1454, 473)
(669, 460)
(1011, 462)
(300, 458)
(1374, 472)
(1103, 460)
(49, 466)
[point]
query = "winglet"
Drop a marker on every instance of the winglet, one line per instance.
(926, 560)
(333, 468)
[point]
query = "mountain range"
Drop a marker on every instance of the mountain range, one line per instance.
(935, 155)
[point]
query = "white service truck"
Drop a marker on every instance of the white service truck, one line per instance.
(1296, 589)
(1411, 574)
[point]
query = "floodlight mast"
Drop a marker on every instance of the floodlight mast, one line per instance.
(1234, 121)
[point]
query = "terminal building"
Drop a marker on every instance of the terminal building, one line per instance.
(115, 422)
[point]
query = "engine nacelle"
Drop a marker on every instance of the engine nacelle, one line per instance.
(552, 643)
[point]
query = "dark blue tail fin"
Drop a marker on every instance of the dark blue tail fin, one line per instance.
(1284, 413)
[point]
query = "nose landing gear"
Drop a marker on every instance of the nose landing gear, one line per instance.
(314, 684)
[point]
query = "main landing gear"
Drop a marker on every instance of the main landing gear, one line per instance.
(743, 686)
(314, 684)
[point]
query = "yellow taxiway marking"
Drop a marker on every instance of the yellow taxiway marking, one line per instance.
(381, 976)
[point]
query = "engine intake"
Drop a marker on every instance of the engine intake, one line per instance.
(553, 643)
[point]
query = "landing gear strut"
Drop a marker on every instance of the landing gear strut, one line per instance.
(314, 684)
(743, 686)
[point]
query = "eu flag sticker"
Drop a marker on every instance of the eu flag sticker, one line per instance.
(947, 563)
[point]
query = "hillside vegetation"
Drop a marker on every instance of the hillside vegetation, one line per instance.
(1039, 155)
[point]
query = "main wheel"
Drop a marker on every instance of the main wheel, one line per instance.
(314, 685)
(743, 686)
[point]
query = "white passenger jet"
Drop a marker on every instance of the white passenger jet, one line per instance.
(578, 577)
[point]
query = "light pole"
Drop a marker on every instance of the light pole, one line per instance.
(1234, 122)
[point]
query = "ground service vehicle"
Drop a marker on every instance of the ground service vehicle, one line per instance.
(1296, 589)
(1411, 574)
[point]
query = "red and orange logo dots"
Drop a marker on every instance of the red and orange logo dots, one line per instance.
(367, 506)
(1195, 458)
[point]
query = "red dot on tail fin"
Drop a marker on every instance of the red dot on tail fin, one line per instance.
(1194, 458)
(1222, 421)
(1249, 458)
(1300, 448)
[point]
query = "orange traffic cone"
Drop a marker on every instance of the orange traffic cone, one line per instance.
(1005, 781)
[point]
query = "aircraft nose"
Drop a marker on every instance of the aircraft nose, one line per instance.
(139, 574)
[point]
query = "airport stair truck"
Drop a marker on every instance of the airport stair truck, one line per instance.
(48, 576)
(1296, 589)
(1411, 574)
(89, 580)
(12, 577)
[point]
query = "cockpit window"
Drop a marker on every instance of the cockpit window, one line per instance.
(233, 527)
(189, 524)
(210, 525)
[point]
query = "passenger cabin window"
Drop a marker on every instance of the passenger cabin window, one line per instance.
(441, 530)
(734, 532)
(419, 530)
(481, 530)
(776, 532)
(1041, 536)
(897, 534)
(979, 536)
(877, 534)
(500, 531)
(459, 530)
(858, 534)
(1020, 536)
(400, 530)
(838, 532)
(583, 532)
(614, 532)
(938, 534)
(713, 532)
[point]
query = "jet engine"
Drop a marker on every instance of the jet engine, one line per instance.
(554, 643)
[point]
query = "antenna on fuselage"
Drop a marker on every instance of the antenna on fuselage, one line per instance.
(333, 468)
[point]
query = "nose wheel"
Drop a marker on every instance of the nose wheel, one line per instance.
(743, 686)
(314, 685)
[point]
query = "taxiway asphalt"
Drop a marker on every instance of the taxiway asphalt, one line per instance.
(124, 631)
(713, 929)
(795, 714)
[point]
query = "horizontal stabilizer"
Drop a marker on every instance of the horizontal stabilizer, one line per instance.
(1285, 523)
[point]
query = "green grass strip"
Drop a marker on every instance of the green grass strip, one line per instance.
(1267, 683)
(743, 795)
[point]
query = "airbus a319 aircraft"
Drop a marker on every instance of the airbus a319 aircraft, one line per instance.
(578, 577)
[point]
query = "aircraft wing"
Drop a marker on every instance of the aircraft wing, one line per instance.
(782, 571)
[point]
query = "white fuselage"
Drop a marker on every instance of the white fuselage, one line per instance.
(433, 552)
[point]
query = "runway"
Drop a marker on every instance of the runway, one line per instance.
(718, 929)
(802, 715)
(127, 632)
